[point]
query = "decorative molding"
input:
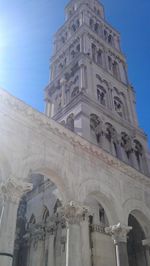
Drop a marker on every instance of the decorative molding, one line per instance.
(13, 189)
(118, 232)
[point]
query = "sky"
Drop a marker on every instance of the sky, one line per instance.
(27, 28)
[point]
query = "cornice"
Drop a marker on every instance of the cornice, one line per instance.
(42, 121)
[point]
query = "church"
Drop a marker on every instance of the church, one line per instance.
(75, 181)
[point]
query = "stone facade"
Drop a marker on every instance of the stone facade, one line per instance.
(77, 192)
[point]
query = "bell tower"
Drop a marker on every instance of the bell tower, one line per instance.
(89, 91)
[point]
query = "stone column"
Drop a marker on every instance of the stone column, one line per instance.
(119, 235)
(146, 244)
(82, 75)
(12, 191)
(77, 235)
(85, 235)
(51, 230)
(63, 87)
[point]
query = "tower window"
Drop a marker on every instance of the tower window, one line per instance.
(96, 27)
(94, 52)
(91, 23)
(118, 106)
(101, 95)
(115, 70)
(110, 39)
(99, 57)
(110, 63)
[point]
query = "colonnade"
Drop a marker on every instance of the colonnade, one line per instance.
(74, 217)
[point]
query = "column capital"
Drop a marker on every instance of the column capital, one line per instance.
(74, 212)
(118, 232)
(146, 242)
(13, 189)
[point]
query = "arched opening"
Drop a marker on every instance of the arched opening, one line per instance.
(111, 136)
(136, 250)
(37, 221)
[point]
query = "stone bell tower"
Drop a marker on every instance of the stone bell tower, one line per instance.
(89, 91)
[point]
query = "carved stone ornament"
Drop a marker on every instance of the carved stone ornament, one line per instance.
(74, 213)
(13, 189)
(118, 232)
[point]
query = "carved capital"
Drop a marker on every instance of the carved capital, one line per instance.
(74, 213)
(13, 189)
(118, 232)
(146, 242)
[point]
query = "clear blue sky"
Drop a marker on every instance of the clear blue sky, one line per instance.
(26, 37)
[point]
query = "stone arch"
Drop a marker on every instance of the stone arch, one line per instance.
(46, 166)
(104, 196)
(138, 239)
(139, 210)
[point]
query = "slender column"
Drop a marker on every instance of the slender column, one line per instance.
(12, 191)
(51, 230)
(146, 244)
(63, 86)
(82, 75)
(119, 236)
(74, 215)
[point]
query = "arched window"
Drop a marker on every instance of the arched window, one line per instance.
(75, 92)
(109, 63)
(78, 48)
(99, 58)
(72, 54)
(118, 106)
(57, 205)
(45, 214)
(78, 23)
(112, 138)
(126, 144)
(115, 70)
(32, 219)
(102, 217)
(101, 95)
(70, 122)
(91, 23)
(96, 27)
(105, 35)
(138, 150)
(94, 50)
(74, 27)
(110, 39)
